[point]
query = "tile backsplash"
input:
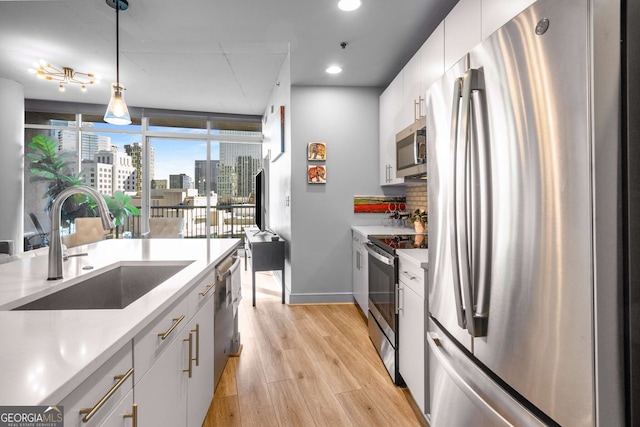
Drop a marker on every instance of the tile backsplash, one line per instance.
(416, 197)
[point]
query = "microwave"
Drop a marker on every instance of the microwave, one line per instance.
(411, 150)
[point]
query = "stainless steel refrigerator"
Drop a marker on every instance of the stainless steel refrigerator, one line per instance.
(525, 244)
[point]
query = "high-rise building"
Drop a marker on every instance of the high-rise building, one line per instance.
(239, 162)
(90, 143)
(201, 176)
(159, 184)
(135, 151)
(110, 171)
(179, 181)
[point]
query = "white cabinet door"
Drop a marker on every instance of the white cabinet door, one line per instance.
(462, 31)
(411, 325)
(412, 92)
(432, 60)
(200, 385)
(161, 394)
(360, 273)
(114, 379)
(123, 415)
(496, 13)
(149, 344)
(390, 124)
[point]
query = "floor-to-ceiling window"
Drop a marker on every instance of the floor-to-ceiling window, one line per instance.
(198, 168)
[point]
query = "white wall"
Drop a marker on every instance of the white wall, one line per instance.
(346, 119)
(279, 209)
(315, 220)
(12, 162)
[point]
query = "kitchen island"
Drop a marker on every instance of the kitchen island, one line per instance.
(47, 354)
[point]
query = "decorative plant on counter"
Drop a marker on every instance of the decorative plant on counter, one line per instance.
(419, 219)
(120, 207)
(53, 167)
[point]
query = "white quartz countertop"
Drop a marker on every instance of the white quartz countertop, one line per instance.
(382, 229)
(44, 355)
(418, 257)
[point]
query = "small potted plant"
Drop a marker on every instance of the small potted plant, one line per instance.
(419, 219)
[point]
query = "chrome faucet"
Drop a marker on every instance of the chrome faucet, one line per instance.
(55, 242)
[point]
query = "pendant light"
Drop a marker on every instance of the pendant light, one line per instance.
(117, 111)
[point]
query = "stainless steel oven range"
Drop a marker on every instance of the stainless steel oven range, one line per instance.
(383, 295)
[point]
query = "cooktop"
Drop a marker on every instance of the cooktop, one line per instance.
(391, 242)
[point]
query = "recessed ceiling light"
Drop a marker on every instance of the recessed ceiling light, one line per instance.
(334, 69)
(349, 5)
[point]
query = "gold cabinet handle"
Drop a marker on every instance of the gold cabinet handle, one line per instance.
(176, 320)
(197, 332)
(133, 415)
(190, 368)
(209, 287)
(90, 412)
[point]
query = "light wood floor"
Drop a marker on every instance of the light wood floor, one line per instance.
(305, 365)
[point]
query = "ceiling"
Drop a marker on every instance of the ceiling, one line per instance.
(219, 56)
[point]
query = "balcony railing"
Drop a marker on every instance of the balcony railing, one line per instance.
(224, 220)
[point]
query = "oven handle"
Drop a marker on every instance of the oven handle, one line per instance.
(386, 260)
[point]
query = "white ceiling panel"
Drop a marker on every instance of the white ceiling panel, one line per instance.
(220, 56)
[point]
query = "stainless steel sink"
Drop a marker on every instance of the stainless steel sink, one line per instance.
(114, 288)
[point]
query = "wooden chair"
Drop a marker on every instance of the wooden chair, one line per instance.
(88, 230)
(164, 228)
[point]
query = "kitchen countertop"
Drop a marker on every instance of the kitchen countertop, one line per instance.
(44, 355)
(382, 229)
(419, 257)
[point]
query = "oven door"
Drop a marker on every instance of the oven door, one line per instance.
(382, 289)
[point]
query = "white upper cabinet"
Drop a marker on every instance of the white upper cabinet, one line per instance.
(412, 91)
(496, 13)
(432, 59)
(390, 123)
(462, 30)
(402, 103)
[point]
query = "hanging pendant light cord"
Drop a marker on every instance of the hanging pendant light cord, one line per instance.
(118, 43)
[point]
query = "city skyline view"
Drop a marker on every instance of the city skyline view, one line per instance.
(172, 156)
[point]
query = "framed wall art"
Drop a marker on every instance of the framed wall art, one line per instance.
(316, 174)
(379, 204)
(317, 151)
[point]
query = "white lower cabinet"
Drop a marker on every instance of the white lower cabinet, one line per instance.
(161, 394)
(411, 323)
(360, 273)
(177, 387)
(200, 385)
(91, 403)
(124, 414)
(164, 377)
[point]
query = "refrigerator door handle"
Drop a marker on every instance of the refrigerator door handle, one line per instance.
(453, 228)
(462, 224)
(467, 215)
(483, 232)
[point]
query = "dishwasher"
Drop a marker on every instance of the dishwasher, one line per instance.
(226, 302)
